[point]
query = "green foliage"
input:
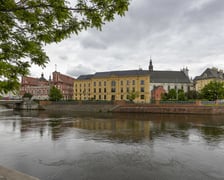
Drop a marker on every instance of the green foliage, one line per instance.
(213, 91)
(26, 26)
(181, 95)
(192, 95)
(171, 95)
(174, 94)
(132, 95)
(27, 95)
(55, 94)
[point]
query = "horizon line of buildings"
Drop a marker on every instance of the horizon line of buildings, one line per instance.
(146, 85)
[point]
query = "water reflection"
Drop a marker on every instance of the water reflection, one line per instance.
(53, 145)
(121, 127)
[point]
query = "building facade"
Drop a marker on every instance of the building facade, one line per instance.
(210, 74)
(157, 92)
(113, 85)
(40, 87)
(64, 83)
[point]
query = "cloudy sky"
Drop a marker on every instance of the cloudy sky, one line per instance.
(175, 33)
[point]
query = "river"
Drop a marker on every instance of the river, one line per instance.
(105, 146)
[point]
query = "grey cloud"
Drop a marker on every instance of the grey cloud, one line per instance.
(176, 33)
(79, 70)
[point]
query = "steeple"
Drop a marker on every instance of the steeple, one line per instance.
(150, 65)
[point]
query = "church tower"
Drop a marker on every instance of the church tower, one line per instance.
(150, 65)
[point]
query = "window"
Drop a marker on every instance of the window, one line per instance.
(142, 82)
(113, 83)
(127, 89)
(94, 90)
(122, 90)
(100, 83)
(121, 83)
(122, 97)
(105, 90)
(133, 89)
(142, 97)
(127, 82)
(94, 83)
(105, 83)
(99, 97)
(113, 97)
(142, 89)
(133, 82)
(105, 97)
(99, 90)
(113, 89)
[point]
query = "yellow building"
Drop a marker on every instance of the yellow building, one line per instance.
(210, 74)
(113, 85)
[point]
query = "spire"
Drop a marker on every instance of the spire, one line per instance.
(150, 65)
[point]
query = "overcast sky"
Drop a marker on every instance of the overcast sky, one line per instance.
(175, 33)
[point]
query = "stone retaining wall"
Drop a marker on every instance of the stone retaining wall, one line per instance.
(173, 109)
(79, 107)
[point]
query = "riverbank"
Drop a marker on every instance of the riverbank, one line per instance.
(10, 174)
(133, 108)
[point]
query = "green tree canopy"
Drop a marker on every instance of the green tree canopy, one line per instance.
(213, 91)
(27, 95)
(132, 95)
(26, 26)
(174, 94)
(55, 94)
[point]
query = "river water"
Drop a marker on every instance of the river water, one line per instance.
(104, 146)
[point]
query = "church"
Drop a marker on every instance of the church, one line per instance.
(165, 80)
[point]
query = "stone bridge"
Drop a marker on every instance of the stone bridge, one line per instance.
(26, 104)
(11, 103)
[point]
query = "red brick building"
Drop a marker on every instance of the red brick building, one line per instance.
(157, 92)
(40, 87)
(64, 83)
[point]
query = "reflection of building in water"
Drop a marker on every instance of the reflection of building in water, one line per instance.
(123, 129)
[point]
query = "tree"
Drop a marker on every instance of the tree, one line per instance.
(192, 94)
(26, 26)
(55, 94)
(213, 91)
(174, 94)
(132, 95)
(27, 95)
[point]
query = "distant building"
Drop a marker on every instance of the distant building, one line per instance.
(113, 85)
(210, 74)
(169, 79)
(40, 87)
(64, 83)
